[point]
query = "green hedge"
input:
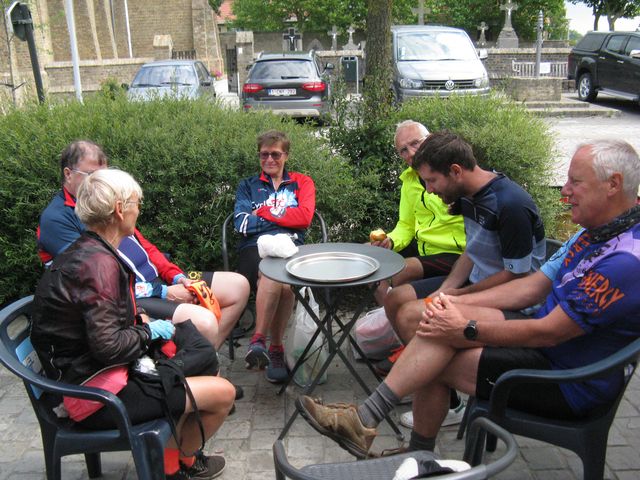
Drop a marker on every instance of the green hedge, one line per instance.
(504, 135)
(188, 157)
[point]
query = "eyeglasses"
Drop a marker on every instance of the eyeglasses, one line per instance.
(138, 202)
(81, 172)
(414, 144)
(274, 155)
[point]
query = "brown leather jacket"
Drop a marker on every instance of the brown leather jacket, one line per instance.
(84, 312)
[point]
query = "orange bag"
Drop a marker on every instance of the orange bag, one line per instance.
(206, 298)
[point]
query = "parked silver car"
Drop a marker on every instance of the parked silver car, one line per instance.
(293, 84)
(172, 78)
(434, 60)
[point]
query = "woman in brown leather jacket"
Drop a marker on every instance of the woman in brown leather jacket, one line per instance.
(85, 319)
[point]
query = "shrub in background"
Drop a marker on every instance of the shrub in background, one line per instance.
(504, 135)
(188, 157)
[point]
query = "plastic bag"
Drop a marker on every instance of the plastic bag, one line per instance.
(302, 330)
(375, 335)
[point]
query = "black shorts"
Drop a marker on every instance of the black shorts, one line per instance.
(437, 265)
(248, 262)
(164, 309)
(544, 399)
(140, 406)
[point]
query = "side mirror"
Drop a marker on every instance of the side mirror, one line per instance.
(483, 54)
(249, 66)
(206, 83)
(124, 86)
(634, 53)
(329, 66)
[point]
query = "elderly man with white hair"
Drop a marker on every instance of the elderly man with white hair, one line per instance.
(590, 309)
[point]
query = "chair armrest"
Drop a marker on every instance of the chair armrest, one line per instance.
(111, 401)
(224, 249)
(508, 380)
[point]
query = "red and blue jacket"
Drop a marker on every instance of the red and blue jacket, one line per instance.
(261, 210)
(60, 227)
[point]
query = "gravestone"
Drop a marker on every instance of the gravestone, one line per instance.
(334, 38)
(315, 44)
(421, 11)
(291, 40)
(482, 41)
(350, 45)
(508, 37)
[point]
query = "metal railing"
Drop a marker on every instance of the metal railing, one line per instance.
(547, 69)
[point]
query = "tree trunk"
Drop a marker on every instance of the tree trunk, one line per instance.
(377, 82)
(596, 18)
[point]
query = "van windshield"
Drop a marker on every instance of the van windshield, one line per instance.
(430, 46)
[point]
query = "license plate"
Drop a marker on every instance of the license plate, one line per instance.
(281, 92)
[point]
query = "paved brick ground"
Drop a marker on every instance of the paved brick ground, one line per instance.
(247, 436)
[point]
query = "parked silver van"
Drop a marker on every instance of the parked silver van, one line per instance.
(433, 60)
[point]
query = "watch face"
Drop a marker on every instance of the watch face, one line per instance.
(471, 331)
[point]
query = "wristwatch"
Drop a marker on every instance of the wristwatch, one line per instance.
(471, 330)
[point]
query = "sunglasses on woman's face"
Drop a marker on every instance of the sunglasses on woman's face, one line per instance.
(274, 155)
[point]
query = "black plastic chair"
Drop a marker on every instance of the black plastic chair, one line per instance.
(552, 246)
(239, 332)
(384, 468)
(61, 436)
(587, 437)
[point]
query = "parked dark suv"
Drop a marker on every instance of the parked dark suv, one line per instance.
(607, 62)
(293, 84)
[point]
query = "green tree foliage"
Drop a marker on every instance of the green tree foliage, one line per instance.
(215, 5)
(504, 135)
(188, 157)
(311, 15)
(468, 14)
(611, 9)
(276, 15)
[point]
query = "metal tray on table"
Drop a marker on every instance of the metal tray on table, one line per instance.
(331, 267)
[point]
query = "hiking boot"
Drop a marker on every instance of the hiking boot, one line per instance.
(257, 356)
(206, 467)
(239, 391)
(454, 416)
(383, 367)
(340, 422)
(277, 371)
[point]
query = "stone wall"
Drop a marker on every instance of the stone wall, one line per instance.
(102, 40)
(92, 73)
(499, 63)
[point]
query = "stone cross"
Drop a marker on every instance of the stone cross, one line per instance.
(334, 37)
(482, 41)
(291, 36)
(508, 7)
(421, 11)
(350, 45)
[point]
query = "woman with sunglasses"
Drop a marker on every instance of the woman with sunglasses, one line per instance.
(275, 201)
(85, 320)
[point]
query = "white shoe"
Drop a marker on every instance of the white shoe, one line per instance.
(454, 416)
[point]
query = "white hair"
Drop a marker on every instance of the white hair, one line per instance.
(616, 156)
(411, 123)
(99, 193)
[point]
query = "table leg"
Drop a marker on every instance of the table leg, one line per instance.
(324, 326)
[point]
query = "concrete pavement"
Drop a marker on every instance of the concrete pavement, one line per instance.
(247, 436)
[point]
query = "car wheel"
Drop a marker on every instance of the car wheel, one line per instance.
(586, 92)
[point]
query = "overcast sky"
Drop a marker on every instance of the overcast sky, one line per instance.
(581, 20)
